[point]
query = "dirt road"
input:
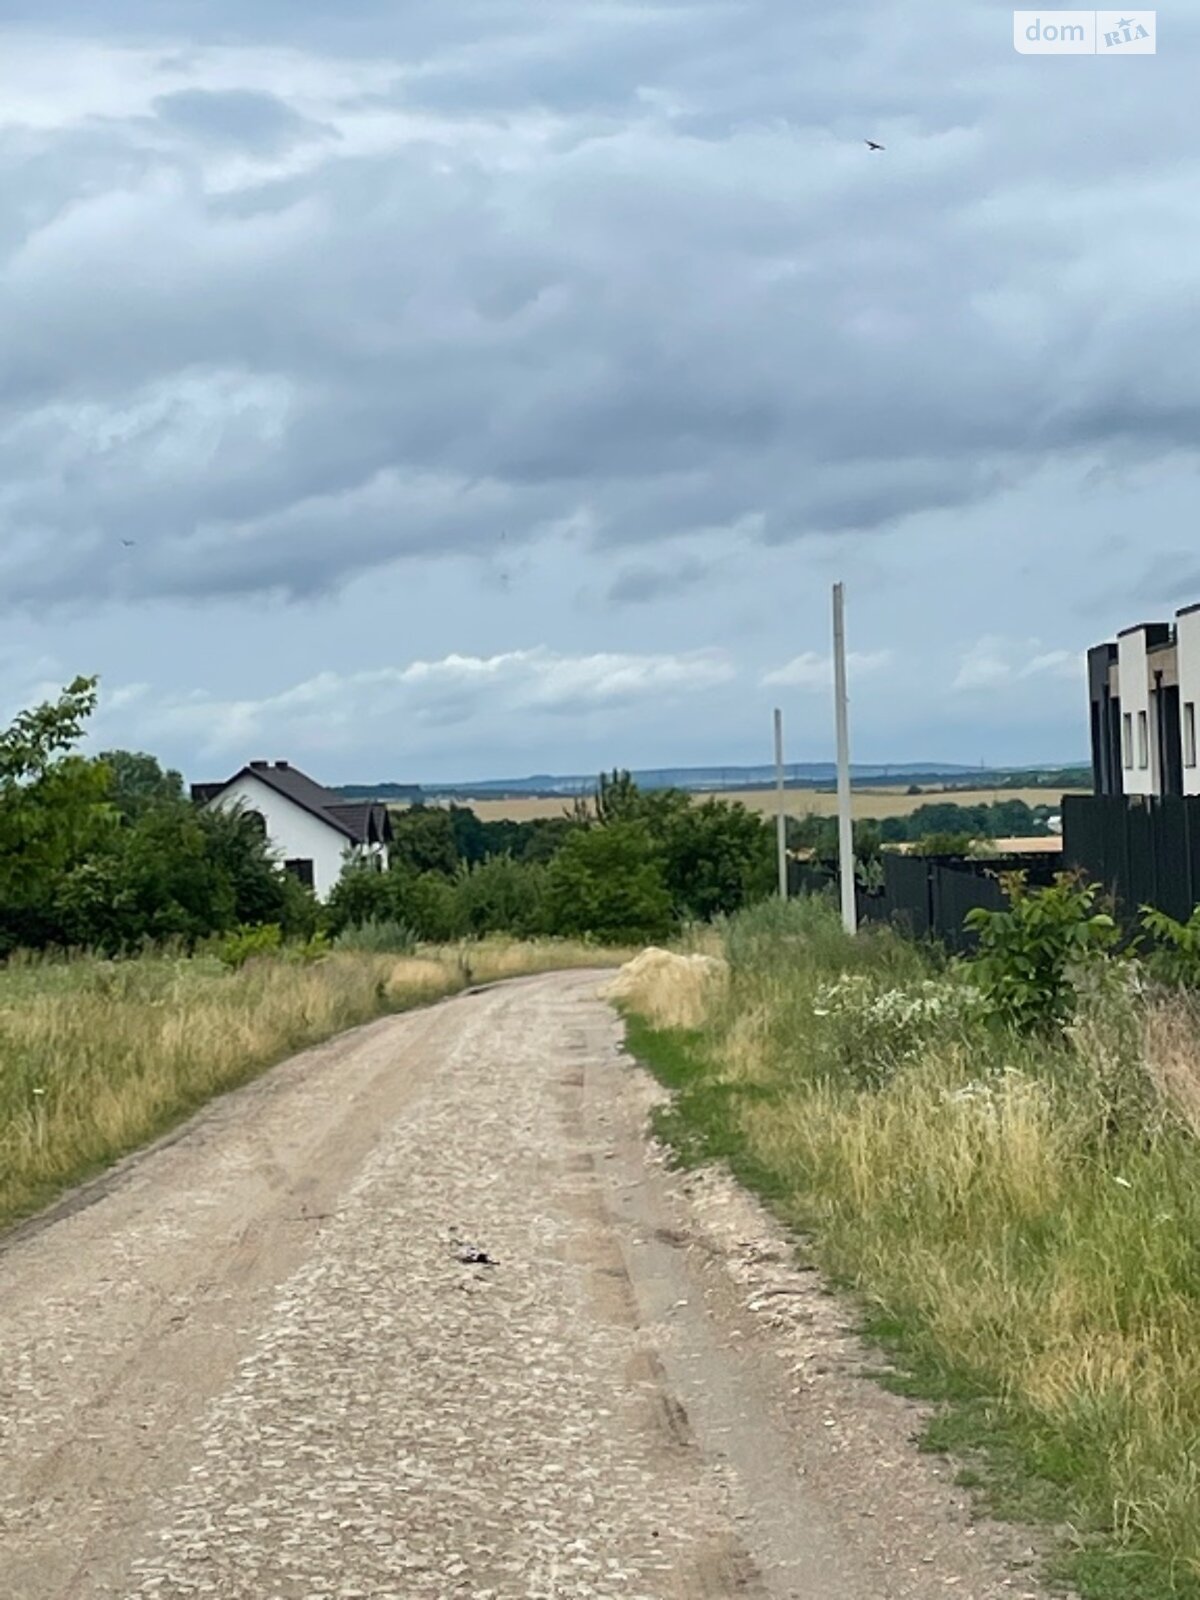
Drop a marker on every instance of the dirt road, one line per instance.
(255, 1364)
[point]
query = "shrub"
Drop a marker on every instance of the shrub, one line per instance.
(430, 904)
(360, 895)
(872, 1030)
(1174, 958)
(315, 948)
(1030, 955)
(609, 882)
(501, 895)
(246, 944)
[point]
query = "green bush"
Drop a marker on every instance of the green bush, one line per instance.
(361, 895)
(1174, 957)
(248, 944)
(430, 904)
(501, 895)
(609, 882)
(306, 951)
(1030, 956)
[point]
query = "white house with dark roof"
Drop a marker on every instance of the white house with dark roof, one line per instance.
(311, 830)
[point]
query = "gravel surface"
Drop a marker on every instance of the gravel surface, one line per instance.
(421, 1313)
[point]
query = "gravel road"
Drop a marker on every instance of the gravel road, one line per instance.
(260, 1363)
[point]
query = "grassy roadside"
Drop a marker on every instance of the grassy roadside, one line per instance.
(1020, 1221)
(98, 1058)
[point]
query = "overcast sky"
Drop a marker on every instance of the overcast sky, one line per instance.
(491, 387)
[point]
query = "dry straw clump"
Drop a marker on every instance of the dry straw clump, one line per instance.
(669, 990)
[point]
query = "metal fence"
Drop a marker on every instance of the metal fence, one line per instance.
(1143, 850)
(929, 897)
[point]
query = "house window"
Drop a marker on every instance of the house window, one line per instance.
(1143, 739)
(302, 871)
(1127, 738)
(1189, 733)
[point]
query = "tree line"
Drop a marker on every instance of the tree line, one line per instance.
(939, 827)
(108, 853)
(628, 867)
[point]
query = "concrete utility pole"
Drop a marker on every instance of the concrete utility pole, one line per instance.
(845, 814)
(780, 813)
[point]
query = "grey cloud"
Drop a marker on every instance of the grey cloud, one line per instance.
(549, 297)
(241, 117)
(639, 585)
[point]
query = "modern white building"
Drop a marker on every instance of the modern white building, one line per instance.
(311, 831)
(1145, 688)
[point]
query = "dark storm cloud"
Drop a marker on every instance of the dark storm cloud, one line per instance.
(623, 269)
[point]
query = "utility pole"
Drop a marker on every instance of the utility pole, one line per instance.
(780, 814)
(845, 814)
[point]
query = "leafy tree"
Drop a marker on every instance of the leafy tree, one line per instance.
(617, 798)
(361, 895)
(262, 891)
(608, 882)
(501, 895)
(137, 783)
(543, 838)
(429, 903)
(53, 811)
(717, 858)
(424, 841)
(177, 873)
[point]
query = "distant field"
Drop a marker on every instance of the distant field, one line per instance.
(874, 803)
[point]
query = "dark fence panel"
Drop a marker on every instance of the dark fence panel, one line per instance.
(1143, 850)
(956, 893)
(907, 899)
(925, 897)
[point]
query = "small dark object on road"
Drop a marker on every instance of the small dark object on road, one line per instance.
(471, 1257)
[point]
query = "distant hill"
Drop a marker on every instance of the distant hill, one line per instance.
(797, 775)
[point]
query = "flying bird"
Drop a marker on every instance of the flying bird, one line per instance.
(129, 543)
(871, 145)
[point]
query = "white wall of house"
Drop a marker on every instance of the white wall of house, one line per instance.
(1139, 747)
(293, 833)
(1187, 633)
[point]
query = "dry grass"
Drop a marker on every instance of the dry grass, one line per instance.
(1020, 1219)
(669, 990)
(868, 803)
(1172, 1052)
(97, 1058)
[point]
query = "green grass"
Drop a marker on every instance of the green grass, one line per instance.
(1020, 1222)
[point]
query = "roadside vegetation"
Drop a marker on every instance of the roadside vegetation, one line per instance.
(1000, 1158)
(108, 854)
(98, 1057)
(153, 955)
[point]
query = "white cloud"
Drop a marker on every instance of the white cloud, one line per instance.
(997, 662)
(400, 705)
(815, 672)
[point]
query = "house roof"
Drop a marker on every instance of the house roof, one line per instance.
(361, 823)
